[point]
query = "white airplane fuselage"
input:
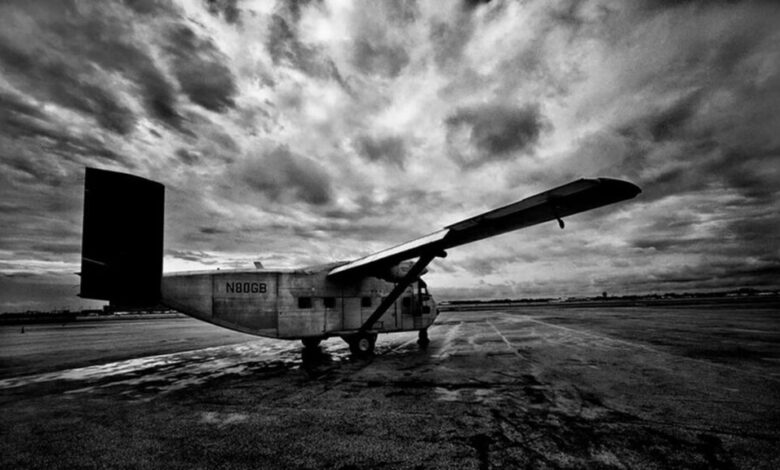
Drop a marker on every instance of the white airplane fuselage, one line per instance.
(295, 304)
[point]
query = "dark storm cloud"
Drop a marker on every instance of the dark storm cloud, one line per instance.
(496, 131)
(373, 57)
(157, 94)
(189, 255)
(363, 231)
(14, 107)
(389, 149)
(379, 47)
(449, 40)
(721, 130)
(408, 205)
(52, 79)
(227, 9)
(150, 7)
(212, 230)
(472, 4)
(399, 12)
(29, 139)
(65, 62)
(679, 97)
(694, 142)
(661, 244)
(758, 234)
(56, 247)
(33, 138)
(710, 275)
(653, 5)
(188, 157)
(487, 265)
(668, 123)
(751, 170)
(287, 49)
(199, 69)
(284, 176)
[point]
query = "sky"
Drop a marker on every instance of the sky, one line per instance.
(299, 133)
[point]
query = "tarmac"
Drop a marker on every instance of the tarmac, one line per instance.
(530, 387)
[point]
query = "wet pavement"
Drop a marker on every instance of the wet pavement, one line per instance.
(529, 388)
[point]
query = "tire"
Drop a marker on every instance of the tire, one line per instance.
(422, 339)
(311, 343)
(362, 344)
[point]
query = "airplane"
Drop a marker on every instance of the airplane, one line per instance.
(122, 253)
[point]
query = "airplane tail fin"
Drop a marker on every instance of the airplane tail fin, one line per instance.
(122, 239)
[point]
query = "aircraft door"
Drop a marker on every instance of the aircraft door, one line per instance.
(423, 298)
(334, 313)
(407, 302)
(410, 308)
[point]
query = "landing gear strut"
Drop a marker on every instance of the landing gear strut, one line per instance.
(422, 338)
(361, 344)
(311, 343)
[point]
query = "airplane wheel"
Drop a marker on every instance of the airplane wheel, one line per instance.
(311, 343)
(362, 345)
(422, 338)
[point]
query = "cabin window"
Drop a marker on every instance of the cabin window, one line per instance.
(426, 309)
(330, 302)
(365, 302)
(304, 302)
(406, 302)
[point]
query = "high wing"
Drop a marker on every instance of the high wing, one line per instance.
(572, 198)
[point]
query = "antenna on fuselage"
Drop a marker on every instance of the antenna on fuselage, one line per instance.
(259, 265)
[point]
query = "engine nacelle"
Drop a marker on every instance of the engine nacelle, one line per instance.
(396, 273)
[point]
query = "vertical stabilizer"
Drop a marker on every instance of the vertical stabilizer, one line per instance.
(122, 240)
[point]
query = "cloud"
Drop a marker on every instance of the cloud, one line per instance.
(449, 37)
(15, 108)
(188, 157)
(149, 7)
(326, 130)
(495, 132)
(378, 58)
(287, 49)
(200, 70)
(189, 255)
(54, 80)
(668, 123)
(286, 177)
(31, 135)
(389, 149)
(63, 63)
(227, 9)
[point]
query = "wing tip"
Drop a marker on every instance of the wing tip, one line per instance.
(621, 188)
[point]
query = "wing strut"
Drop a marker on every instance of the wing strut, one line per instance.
(399, 288)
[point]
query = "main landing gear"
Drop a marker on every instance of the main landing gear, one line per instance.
(361, 344)
(422, 338)
(311, 343)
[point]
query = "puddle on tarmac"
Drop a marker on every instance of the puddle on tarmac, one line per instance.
(169, 372)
